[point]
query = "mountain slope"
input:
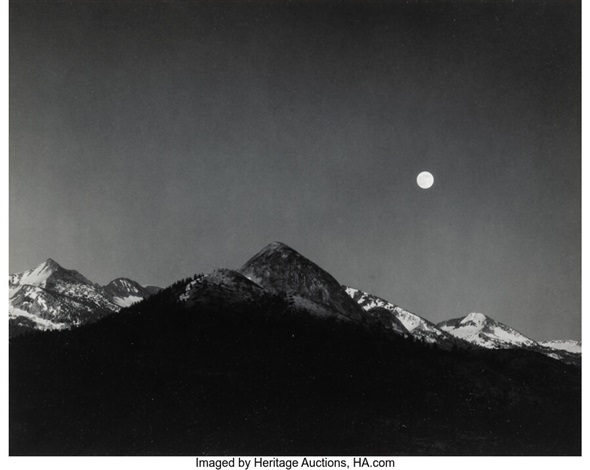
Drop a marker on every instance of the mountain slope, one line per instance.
(220, 364)
(189, 377)
(152, 289)
(388, 321)
(125, 292)
(222, 286)
(280, 268)
(568, 345)
(415, 325)
(475, 329)
(51, 297)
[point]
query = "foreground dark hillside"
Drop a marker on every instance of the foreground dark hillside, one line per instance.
(265, 379)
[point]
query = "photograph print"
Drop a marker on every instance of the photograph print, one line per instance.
(295, 228)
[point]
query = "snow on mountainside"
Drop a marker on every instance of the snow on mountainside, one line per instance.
(389, 321)
(278, 267)
(51, 310)
(481, 330)
(568, 345)
(484, 331)
(417, 326)
(48, 275)
(34, 277)
(126, 292)
(276, 270)
(50, 297)
(222, 286)
(475, 328)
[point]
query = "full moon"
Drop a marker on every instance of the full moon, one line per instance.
(425, 180)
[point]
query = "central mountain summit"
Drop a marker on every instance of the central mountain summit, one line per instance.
(279, 267)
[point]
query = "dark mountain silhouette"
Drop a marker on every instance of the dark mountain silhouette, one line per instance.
(388, 321)
(219, 364)
(222, 287)
(152, 289)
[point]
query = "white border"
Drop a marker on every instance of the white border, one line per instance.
(89, 463)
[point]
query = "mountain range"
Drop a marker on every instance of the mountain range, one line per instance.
(51, 297)
(475, 329)
(276, 358)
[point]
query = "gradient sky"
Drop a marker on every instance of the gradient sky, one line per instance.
(155, 140)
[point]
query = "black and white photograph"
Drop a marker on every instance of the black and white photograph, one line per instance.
(294, 228)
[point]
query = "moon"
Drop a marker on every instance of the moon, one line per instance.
(425, 180)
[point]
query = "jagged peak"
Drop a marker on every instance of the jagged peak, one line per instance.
(47, 266)
(279, 254)
(37, 275)
(51, 263)
(279, 267)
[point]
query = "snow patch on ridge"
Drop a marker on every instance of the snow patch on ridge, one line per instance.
(417, 326)
(127, 301)
(568, 345)
(34, 277)
(41, 323)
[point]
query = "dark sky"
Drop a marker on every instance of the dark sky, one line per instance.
(155, 140)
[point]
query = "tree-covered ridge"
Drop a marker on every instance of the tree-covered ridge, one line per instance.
(167, 377)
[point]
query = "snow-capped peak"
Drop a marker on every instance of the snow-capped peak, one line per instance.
(126, 284)
(52, 297)
(125, 292)
(476, 319)
(34, 277)
(484, 331)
